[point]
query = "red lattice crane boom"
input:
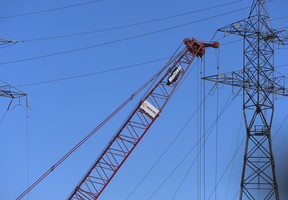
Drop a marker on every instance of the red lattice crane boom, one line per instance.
(137, 124)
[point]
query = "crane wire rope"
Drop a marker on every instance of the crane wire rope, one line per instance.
(202, 103)
(49, 10)
(62, 159)
(200, 130)
(198, 134)
(204, 127)
(132, 24)
(227, 104)
(202, 145)
(120, 40)
(169, 146)
(217, 122)
(187, 74)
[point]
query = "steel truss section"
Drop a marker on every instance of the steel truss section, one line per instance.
(9, 91)
(137, 124)
(259, 86)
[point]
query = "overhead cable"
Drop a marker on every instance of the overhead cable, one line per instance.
(121, 40)
(130, 25)
(88, 136)
(191, 150)
(169, 146)
(49, 10)
(92, 74)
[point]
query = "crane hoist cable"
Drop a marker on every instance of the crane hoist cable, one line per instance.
(170, 145)
(198, 142)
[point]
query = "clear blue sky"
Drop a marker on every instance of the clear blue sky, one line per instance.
(62, 112)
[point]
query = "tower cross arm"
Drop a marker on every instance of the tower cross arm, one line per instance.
(248, 28)
(9, 91)
(278, 86)
(3, 41)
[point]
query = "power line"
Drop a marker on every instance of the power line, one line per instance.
(49, 10)
(168, 147)
(121, 40)
(131, 25)
(87, 137)
(279, 18)
(198, 153)
(92, 74)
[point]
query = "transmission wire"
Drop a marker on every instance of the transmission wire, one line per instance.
(3, 117)
(168, 147)
(93, 73)
(131, 25)
(27, 151)
(121, 40)
(226, 169)
(198, 153)
(106, 71)
(49, 10)
(88, 136)
(230, 177)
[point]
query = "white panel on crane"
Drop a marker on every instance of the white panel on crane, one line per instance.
(149, 109)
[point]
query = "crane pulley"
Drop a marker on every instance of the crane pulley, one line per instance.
(137, 124)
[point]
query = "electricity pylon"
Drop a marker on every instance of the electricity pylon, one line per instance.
(259, 86)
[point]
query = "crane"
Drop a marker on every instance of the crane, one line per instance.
(134, 128)
(138, 123)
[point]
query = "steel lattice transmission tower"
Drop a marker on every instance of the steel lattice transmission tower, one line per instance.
(259, 87)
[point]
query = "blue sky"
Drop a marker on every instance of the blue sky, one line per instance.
(112, 61)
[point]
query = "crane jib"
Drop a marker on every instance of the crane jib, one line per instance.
(137, 124)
